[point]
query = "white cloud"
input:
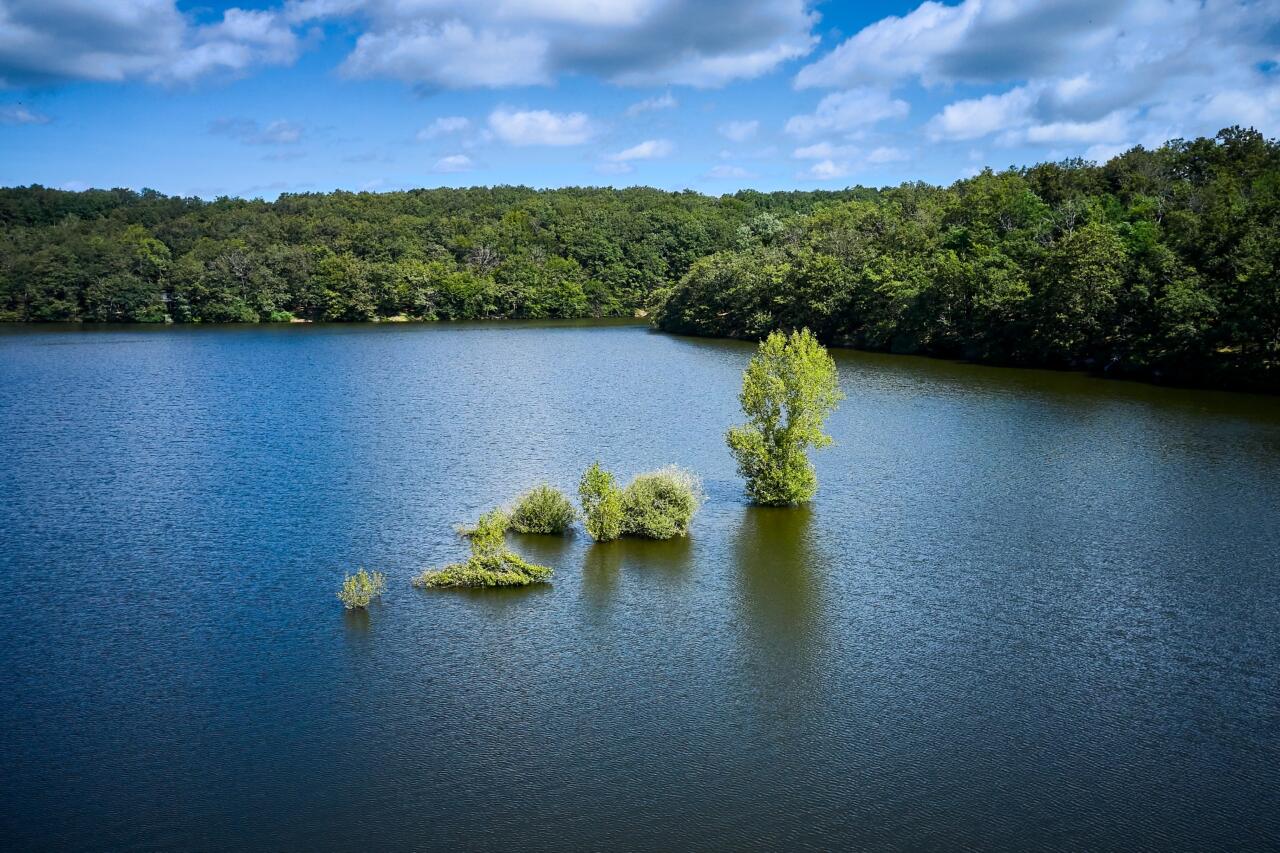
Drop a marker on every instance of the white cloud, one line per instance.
(1073, 73)
(825, 170)
(892, 48)
(19, 114)
(650, 149)
(451, 55)
(453, 163)
(52, 41)
(848, 111)
(540, 127)
(444, 126)
(976, 117)
(461, 43)
(661, 102)
(1106, 129)
(739, 131)
(1259, 108)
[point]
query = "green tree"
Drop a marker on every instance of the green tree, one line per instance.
(788, 391)
(601, 504)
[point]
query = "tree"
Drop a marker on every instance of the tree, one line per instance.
(601, 504)
(788, 391)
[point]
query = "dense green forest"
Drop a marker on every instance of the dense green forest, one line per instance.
(1159, 263)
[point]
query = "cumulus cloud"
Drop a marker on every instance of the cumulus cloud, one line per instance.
(451, 55)
(457, 44)
(1074, 72)
(975, 117)
(739, 131)
(838, 161)
(51, 41)
(453, 163)
(650, 149)
(540, 127)
(19, 114)
(842, 112)
(825, 170)
(648, 105)
(250, 132)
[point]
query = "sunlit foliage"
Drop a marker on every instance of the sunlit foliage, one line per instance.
(788, 391)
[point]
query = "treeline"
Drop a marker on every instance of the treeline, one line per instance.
(445, 254)
(1160, 264)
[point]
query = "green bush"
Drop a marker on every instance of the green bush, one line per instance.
(487, 570)
(488, 537)
(660, 504)
(490, 563)
(655, 505)
(601, 504)
(542, 510)
(361, 588)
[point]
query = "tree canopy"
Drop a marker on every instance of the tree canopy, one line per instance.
(1159, 263)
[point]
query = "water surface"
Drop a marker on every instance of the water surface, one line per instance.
(1028, 610)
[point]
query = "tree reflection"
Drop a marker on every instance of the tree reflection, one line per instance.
(779, 566)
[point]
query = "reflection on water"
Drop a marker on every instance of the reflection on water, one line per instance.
(1028, 610)
(604, 563)
(779, 567)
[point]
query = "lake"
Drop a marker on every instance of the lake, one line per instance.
(1027, 611)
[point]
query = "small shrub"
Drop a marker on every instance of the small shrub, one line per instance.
(601, 504)
(489, 535)
(488, 570)
(490, 563)
(542, 510)
(661, 504)
(361, 588)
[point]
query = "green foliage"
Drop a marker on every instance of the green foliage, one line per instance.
(542, 510)
(1157, 263)
(485, 570)
(660, 504)
(788, 391)
(488, 537)
(655, 505)
(601, 504)
(491, 564)
(361, 588)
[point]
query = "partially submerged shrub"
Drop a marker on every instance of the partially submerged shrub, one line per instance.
(489, 534)
(601, 504)
(542, 510)
(656, 505)
(490, 563)
(489, 570)
(660, 504)
(361, 588)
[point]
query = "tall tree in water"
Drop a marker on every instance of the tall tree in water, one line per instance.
(788, 391)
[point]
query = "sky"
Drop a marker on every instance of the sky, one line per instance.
(259, 98)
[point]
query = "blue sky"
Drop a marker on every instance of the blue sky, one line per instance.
(258, 98)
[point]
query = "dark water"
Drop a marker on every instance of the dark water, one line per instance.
(1027, 611)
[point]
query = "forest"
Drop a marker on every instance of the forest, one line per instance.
(1161, 263)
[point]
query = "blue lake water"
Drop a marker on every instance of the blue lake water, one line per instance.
(1028, 610)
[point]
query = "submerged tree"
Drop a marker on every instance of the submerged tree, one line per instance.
(360, 589)
(601, 504)
(788, 390)
(491, 564)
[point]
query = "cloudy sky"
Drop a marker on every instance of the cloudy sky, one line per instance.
(259, 98)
